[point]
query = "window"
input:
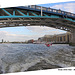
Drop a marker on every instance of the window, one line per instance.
(54, 11)
(59, 11)
(68, 38)
(60, 38)
(64, 38)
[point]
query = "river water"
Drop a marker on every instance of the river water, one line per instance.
(27, 57)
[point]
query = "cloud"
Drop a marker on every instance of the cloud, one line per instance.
(36, 32)
(39, 29)
(44, 30)
(70, 7)
(7, 36)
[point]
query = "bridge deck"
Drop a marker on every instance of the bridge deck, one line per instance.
(24, 11)
(31, 15)
(49, 10)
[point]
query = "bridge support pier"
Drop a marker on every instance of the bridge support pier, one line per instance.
(72, 41)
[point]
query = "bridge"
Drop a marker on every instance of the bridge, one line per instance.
(38, 16)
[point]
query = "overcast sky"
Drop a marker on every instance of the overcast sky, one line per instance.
(33, 32)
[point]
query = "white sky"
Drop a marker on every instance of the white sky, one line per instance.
(11, 3)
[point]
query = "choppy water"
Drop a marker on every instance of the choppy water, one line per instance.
(23, 57)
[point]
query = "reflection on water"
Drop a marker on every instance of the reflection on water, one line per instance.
(26, 57)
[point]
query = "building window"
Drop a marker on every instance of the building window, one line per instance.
(68, 38)
(60, 38)
(64, 38)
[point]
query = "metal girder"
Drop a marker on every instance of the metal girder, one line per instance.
(21, 13)
(36, 22)
(6, 12)
(34, 15)
(24, 17)
(57, 22)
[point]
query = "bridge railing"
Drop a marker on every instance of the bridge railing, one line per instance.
(51, 10)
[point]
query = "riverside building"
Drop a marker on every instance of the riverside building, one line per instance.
(59, 38)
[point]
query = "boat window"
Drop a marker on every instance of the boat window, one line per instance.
(59, 11)
(72, 14)
(49, 9)
(68, 13)
(32, 6)
(38, 7)
(43, 8)
(54, 11)
(62, 12)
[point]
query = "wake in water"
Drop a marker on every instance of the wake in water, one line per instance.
(27, 57)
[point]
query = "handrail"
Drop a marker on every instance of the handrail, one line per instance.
(51, 10)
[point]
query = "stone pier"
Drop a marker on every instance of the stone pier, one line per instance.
(72, 41)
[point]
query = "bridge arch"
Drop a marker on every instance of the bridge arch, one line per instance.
(32, 16)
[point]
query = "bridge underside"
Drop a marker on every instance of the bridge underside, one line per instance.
(57, 23)
(50, 22)
(17, 16)
(12, 17)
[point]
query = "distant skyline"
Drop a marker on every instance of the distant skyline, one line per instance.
(25, 33)
(34, 32)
